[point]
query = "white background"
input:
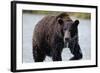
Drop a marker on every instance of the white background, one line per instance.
(5, 36)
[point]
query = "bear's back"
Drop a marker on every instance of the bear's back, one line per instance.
(45, 22)
(44, 27)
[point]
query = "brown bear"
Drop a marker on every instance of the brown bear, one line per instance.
(52, 34)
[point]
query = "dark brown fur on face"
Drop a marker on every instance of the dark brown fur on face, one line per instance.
(48, 38)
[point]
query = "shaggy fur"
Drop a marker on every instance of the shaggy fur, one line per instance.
(48, 38)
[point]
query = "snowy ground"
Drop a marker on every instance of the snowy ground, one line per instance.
(30, 20)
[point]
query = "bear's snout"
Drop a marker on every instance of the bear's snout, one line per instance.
(67, 37)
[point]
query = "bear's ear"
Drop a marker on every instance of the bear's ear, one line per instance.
(76, 22)
(60, 21)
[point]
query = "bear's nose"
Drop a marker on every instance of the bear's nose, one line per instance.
(67, 39)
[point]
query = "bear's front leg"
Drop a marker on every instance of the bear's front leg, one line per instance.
(76, 51)
(56, 55)
(57, 46)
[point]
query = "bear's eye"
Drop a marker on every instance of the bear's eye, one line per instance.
(65, 29)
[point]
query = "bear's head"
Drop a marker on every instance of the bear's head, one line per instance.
(69, 29)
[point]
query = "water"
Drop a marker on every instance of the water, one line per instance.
(30, 20)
